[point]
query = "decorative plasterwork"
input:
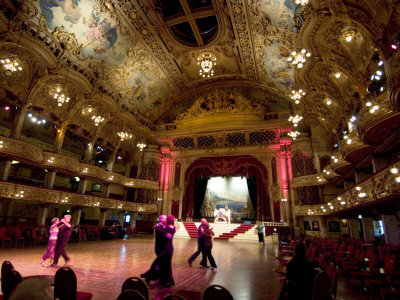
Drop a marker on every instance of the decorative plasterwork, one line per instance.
(27, 152)
(43, 195)
(220, 103)
(240, 19)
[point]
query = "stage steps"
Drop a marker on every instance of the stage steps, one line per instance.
(242, 228)
(230, 232)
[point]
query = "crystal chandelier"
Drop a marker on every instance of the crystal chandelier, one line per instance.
(296, 95)
(295, 120)
(11, 65)
(141, 146)
(301, 2)
(206, 61)
(97, 120)
(124, 135)
(57, 94)
(299, 58)
(293, 134)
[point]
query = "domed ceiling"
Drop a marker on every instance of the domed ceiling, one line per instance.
(148, 49)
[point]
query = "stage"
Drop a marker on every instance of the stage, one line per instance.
(245, 269)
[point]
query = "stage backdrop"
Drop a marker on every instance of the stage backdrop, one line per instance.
(201, 170)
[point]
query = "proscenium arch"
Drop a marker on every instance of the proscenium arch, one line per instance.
(246, 166)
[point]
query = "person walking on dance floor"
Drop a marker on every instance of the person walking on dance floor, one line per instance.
(51, 247)
(161, 269)
(208, 236)
(63, 238)
(200, 243)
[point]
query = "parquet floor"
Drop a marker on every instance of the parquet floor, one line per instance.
(244, 268)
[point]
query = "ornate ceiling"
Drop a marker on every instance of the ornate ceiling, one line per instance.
(148, 49)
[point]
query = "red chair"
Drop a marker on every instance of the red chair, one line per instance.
(37, 238)
(4, 237)
(17, 237)
(82, 235)
(65, 286)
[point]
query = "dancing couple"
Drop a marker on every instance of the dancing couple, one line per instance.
(161, 269)
(60, 232)
(204, 246)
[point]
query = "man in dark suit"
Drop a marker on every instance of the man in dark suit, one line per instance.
(63, 237)
(200, 243)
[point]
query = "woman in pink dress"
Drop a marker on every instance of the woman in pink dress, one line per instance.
(51, 247)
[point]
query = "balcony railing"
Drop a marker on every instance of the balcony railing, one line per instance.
(22, 192)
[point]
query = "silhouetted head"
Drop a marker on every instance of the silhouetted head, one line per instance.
(34, 289)
(300, 250)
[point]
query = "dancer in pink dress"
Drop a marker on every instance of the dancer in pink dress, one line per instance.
(51, 247)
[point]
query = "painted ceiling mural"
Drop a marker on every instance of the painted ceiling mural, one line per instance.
(96, 31)
(137, 74)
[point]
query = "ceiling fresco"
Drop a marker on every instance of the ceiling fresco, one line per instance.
(138, 73)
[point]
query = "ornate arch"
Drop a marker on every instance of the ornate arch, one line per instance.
(228, 166)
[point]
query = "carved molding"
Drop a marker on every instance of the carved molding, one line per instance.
(43, 195)
(18, 149)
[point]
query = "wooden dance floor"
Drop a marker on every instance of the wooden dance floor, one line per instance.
(244, 268)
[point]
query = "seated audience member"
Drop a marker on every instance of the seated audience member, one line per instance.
(32, 289)
(300, 276)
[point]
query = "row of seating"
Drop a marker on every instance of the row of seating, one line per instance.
(65, 283)
(135, 288)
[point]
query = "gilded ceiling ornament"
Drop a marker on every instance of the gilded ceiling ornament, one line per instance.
(68, 40)
(219, 102)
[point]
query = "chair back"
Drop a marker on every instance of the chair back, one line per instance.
(216, 292)
(8, 283)
(137, 284)
(130, 295)
(6, 267)
(65, 283)
(321, 287)
(334, 282)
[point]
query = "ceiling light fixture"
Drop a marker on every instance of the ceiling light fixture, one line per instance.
(124, 135)
(296, 95)
(206, 61)
(141, 146)
(293, 134)
(299, 58)
(11, 65)
(97, 120)
(301, 2)
(57, 93)
(295, 120)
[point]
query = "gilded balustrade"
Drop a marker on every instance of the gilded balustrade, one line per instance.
(380, 186)
(42, 195)
(19, 149)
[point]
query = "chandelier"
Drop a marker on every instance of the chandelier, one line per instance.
(301, 2)
(296, 95)
(295, 120)
(97, 120)
(206, 61)
(299, 58)
(141, 146)
(57, 94)
(124, 135)
(11, 65)
(293, 134)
